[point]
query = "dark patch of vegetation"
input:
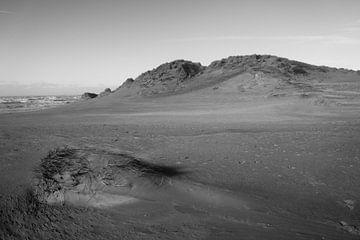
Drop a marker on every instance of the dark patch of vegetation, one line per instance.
(88, 95)
(176, 71)
(299, 70)
(57, 161)
(106, 92)
(64, 168)
(323, 69)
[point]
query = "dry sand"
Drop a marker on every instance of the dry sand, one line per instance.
(278, 168)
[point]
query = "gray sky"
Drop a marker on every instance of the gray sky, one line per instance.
(70, 46)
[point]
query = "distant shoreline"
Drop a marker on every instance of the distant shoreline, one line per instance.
(14, 104)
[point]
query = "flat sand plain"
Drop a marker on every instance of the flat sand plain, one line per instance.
(278, 168)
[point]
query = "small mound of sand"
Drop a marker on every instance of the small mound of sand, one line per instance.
(91, 177)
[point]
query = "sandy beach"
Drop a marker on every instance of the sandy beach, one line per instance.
(278, 168)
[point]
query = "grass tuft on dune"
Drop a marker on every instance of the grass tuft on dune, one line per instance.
(85, 176)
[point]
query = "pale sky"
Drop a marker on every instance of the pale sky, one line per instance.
(72, 46)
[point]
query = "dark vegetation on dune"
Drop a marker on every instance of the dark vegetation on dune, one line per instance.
(69, 159)
(106, 92)
(48, 175)
(67, 167)
(74, 169)
(266, 64)
(88, 95)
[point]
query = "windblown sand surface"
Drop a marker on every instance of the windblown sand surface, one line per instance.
(249, 147)
(277, 168)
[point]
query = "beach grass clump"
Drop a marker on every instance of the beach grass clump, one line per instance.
(62, 160)
(58, 170)
(70, 175)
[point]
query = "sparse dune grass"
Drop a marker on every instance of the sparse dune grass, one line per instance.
(93, 178)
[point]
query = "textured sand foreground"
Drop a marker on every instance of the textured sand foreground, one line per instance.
(274, 169)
